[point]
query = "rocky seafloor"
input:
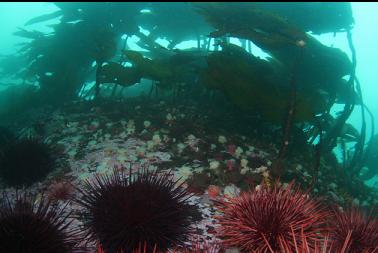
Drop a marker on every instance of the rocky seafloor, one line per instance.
(215, 151)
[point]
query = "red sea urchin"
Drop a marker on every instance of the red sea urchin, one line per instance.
(123, 211)
(34, 228)
(358, 229)
(267, 219)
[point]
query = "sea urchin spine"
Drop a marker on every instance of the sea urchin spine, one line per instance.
(267, 219)
(26, 161)
(358, 229)
(29, 227)
(123, 211)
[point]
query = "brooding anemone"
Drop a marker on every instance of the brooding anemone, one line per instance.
(26, 161)
(124, 211)
(29, 227)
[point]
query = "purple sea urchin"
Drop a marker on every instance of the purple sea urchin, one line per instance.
(123, 211)
(26, 161)
(30, 228)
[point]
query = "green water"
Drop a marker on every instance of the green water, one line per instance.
(227, 97)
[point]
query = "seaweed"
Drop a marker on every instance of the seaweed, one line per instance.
(258, 85)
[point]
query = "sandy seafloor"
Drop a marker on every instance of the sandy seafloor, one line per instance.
(162, 136)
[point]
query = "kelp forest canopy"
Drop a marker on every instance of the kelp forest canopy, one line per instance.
(294, 88)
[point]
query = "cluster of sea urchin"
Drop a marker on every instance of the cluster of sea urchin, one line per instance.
(26, 161)
(270, 220)
(124, 211)
(29, 227)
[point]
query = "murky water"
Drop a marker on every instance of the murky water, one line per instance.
(190, 127)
